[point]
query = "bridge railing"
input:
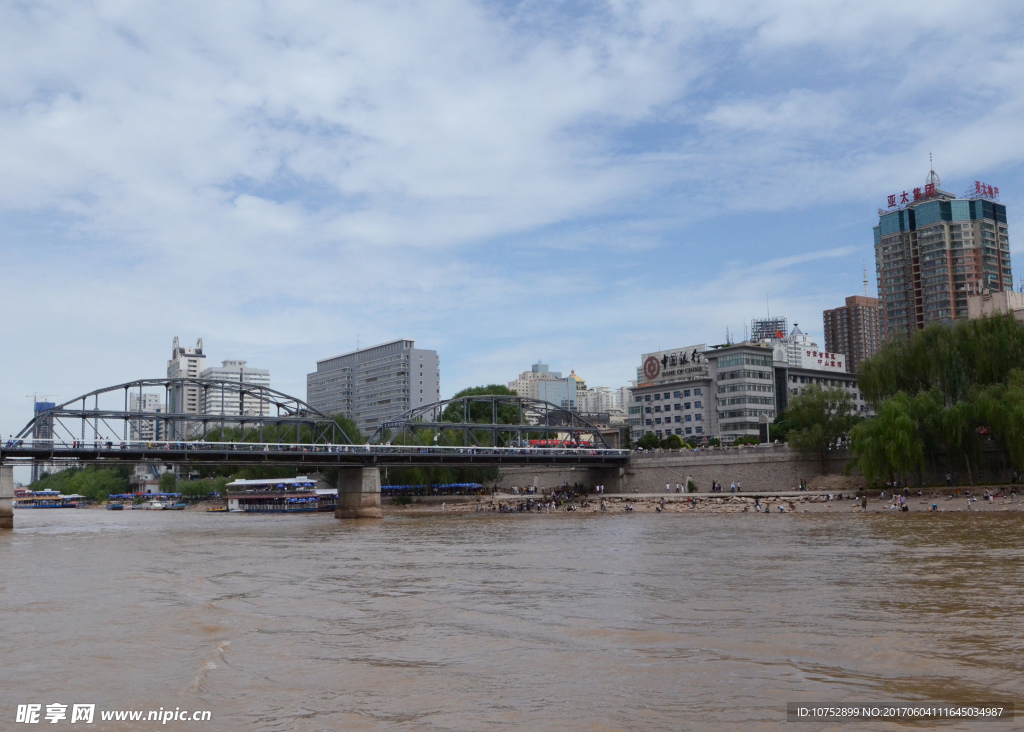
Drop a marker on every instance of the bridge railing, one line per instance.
(114, 446)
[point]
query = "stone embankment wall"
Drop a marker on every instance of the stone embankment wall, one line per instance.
(756, 469)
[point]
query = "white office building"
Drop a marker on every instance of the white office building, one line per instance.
(227, 400)
(185, 399)
(540, 382)
(372, 385)
(146, 429)
(730, 391)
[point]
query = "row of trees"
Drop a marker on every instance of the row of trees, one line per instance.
(940, 398)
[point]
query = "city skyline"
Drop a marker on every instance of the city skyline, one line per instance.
(561, 195)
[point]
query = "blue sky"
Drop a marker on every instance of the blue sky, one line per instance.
(503, 181)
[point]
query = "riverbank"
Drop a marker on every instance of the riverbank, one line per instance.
(788, 502)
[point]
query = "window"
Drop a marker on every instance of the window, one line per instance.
(678, 431)
(647, 397)
(700, 430)
(639, 399)
(686, 405)
(658, 433)
(689, 431)
(678, 418)
(696, 405)
(686, 393)
(677, 406)
(698, 417)
(688, 418)
(647, 409)
(675, 394)
(696, 392)
(657, 420)
(666, 395)
(648, 422)
(741, 359)
(657, 397)
(657, 408)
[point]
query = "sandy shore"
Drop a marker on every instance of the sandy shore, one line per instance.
(796, 502)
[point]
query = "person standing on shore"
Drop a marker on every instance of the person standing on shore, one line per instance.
(864, 502)
(732, 487)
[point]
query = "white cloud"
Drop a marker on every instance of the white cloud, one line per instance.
(514, 177)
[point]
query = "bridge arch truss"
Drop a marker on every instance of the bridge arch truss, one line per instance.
(253, 412)
(489, 421)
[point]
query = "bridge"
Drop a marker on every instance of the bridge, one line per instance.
(256, 425)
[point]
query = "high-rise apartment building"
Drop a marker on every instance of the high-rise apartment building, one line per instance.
(854, 329)
(185, 399)
(227, 401)
(371, 385)
(933, 249)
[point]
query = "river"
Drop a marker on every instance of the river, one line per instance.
(517, 622)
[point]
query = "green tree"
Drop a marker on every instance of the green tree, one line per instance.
(818, 420)
(649, 441)
(1001, 410)
(168, 482)
(481, 412)
(672, 442)
(890, 445)
(92, 482)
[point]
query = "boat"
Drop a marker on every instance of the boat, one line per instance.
(48, 499)
(155, 505)
(217, 510)
(115, 506)
(174, 507)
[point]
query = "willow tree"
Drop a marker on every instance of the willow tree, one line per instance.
(890, 445)
(1001, 409)
(952, 360)
(819, 420)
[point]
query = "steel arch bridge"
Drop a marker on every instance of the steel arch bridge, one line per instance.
(489, 421)
(251, 409)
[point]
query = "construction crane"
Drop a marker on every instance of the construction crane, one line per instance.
(36, 397)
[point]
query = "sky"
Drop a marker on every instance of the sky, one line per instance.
(576, 182)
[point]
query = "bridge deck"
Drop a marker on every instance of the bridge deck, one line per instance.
(206, 453)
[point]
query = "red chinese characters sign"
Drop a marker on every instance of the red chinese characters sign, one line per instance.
(899, 200)
(985, 190)
(832, 360)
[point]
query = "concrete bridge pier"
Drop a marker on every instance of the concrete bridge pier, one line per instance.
(6, 497)
(612, 478)
(358, 493)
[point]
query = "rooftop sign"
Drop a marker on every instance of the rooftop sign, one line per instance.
(902, 200)
(675, 365)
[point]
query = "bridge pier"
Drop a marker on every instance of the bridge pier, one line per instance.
(612, 478)
(358, 493)
(6, 497)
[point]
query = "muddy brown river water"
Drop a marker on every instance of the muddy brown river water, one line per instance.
(513, 622)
